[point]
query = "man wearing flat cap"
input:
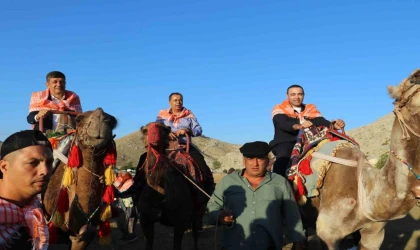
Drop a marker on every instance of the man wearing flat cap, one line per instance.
(254, 204)
(25, 169)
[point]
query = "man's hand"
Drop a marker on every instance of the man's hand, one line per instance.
(226, 218)
(306, 124)
(181, 132)
(339, 124)
(172, 136)
(42, 113)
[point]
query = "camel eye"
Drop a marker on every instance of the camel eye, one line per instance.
(79, 118)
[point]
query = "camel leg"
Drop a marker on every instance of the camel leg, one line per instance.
(372, 236)
(148, 229)
(330, 225)
(194, 229)
(178, 235)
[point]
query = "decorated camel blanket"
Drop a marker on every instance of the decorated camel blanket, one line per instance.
(308, 172)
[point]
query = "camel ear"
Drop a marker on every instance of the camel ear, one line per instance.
(394, 92)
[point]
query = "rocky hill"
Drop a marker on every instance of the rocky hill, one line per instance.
(374, 139)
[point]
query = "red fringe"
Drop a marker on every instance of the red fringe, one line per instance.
(300, 186)
(53, 232)
(63, 201)
(104, 229)
(305, 166)
(54, 142)
(108, 195)
(74, 157)
(111, 156)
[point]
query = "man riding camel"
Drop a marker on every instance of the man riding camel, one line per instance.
(55, 97)
(289, 118)
(183, 123)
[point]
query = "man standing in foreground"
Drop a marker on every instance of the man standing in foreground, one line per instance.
(254, 204)
(25, 168)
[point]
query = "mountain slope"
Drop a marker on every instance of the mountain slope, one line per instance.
(374, 139)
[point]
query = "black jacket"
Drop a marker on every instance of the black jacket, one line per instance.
(283, 127)
(47, 120)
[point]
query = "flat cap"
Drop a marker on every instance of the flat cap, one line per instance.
(255, 149)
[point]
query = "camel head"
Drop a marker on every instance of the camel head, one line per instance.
(159, 133)
(94, 128)
(406, 94)
(407, 100)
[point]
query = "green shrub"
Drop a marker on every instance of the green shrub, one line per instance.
(382, 160)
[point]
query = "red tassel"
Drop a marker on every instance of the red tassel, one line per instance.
(111, 156)
(305, 166)
(75, 157)
(63, 201)
(53, 232)
(104, 229)
(108, 195)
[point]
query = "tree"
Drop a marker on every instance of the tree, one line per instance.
(217, 164)
(382, 160)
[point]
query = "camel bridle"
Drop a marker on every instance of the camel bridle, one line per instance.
(403, 124)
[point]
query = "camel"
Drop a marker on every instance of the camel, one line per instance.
(80, 190)
(363, 198)
(165, 194)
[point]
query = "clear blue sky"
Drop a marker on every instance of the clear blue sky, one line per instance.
(232, 60)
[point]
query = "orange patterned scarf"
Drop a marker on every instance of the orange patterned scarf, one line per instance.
(286, 108)
(12, 217)
(39, 100)
(168, 115)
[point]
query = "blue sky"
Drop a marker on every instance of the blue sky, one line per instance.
(232, 60)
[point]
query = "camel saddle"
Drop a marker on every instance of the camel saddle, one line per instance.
(180, 157)
(174, 145)
(415, 189)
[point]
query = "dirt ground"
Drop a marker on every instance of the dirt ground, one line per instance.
(402, 234)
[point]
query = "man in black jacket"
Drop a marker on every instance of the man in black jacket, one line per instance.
(289, 118)
(55, 97)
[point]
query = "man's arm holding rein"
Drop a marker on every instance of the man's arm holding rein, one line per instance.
(320, 121)
(31, 117)
(285, 123)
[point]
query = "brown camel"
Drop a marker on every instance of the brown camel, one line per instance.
(164, 194)
(363, 197)
(94, 138)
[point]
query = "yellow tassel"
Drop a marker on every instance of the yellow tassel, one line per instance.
(58, 219)
(106, 212)
(105, 240)
(68, 179)
(109, 176)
